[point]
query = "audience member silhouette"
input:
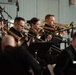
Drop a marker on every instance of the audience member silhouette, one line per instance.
(17, 60)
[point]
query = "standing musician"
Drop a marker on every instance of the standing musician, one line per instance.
(18, 29)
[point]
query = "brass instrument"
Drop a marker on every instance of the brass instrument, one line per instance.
(31, 30)
(68, 26)
(56, 49)
(36, 33)
(36, 38)
(59, 28)
(48, 28)
(40, 33)
(20, 40)
(63, 25)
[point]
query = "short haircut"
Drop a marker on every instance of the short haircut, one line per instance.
(48, 16)
(74, 36)
(17, 19)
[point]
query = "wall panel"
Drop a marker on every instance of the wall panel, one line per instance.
(63, 12)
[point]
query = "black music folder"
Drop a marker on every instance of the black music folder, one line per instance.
(39, 47)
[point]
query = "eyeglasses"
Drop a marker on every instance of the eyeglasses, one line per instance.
(21, 26)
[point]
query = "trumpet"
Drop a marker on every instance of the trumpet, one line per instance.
(20, 40)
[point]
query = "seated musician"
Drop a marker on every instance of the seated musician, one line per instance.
(50, 34)
(18, 29)
(35, 29)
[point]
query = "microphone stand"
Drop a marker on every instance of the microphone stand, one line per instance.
(17, 9)
(2, 10)
(68, 40)
(8, 14)
(72, 30)
(71, 27)
(2, 17)
(5, 21)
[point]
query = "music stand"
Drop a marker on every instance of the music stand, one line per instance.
(39, 49)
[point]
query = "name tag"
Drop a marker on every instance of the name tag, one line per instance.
(74, 62)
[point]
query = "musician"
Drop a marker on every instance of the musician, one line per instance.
(35, 29)
(18, 28)
(50, 34)
(66, 62)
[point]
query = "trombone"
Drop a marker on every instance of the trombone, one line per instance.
(20, 40)
(68, 26)
(37, 34)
